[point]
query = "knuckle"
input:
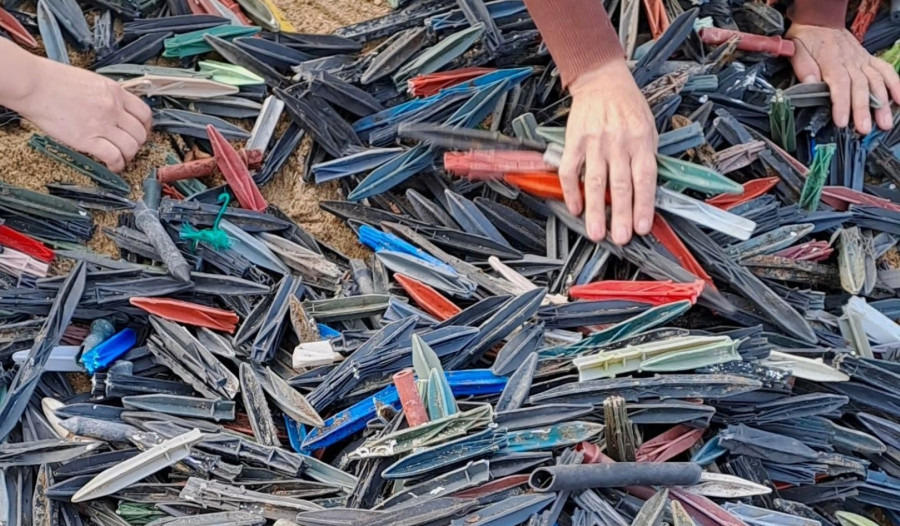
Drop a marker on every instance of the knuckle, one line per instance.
(581, 136)
(595, 184)
(109, 104)
(568, 174)
(878, 62)
(839, 87)
(644, 156)
(104, 156)
(645, 177)
(114, 94)
(641, 130)
(620, 186)
(837, 80)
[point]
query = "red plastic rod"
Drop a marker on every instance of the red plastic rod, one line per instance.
(189, 313)
(413, 408)
(773, 45)
(539, 184)
(204, 167)
(652, 292)
(752, 190)
(235, 172)
(19, 241)
(429, 299)
(428, 85)
(492, 164)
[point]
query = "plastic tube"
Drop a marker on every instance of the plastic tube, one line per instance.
(618, 475)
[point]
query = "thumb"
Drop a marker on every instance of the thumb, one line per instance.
(805, 66)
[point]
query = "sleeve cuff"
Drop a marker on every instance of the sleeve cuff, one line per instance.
(578, 33)
(822, 13)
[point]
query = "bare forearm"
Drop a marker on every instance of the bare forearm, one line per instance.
(22, 70)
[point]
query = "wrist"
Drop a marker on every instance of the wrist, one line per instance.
(614, 71)
(829, 14)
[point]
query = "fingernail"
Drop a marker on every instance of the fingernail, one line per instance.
(621, 235)
(809, 78)
(644, 225)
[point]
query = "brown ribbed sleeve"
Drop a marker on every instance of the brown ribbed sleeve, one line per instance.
(578, 34)
(824, 13)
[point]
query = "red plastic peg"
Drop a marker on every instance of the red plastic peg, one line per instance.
(413, 408)
(773, 45)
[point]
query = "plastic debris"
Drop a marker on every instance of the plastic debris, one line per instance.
(487, 364)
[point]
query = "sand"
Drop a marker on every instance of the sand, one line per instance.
(20, 165)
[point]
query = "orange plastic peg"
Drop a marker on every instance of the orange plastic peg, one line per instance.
(189, 313)
(429, 299)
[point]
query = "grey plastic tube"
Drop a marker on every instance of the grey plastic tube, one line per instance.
(618, 475)
(146, 218)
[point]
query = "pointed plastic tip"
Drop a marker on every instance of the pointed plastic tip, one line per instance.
(182, 273)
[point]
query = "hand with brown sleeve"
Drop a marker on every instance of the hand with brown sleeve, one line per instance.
(611, 134)
(826, 51)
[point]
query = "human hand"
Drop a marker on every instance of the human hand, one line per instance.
(612, 134)
(85, 111)
(836, 57)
